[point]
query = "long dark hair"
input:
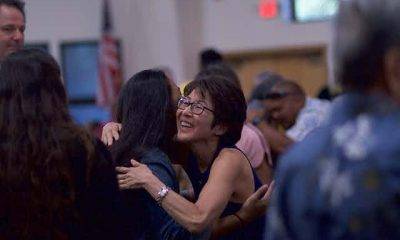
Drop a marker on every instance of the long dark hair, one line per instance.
(147, 114)
(37, 189)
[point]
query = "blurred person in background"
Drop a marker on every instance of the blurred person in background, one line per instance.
(288, 106)
(56, 182)
(289, 115)
(257, 115)
(12, 26)
(263, 85)
(209, 56)
(343, 180)
(206, 58)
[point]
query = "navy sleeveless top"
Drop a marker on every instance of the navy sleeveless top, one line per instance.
(253, 230)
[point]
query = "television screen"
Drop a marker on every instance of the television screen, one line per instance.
(80, 72)
(79, 60)
(314, 10)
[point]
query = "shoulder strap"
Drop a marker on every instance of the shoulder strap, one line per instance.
(244, 154)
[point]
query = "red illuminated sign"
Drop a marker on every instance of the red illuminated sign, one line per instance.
(268, 9)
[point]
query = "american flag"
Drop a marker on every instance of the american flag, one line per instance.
(110, 79)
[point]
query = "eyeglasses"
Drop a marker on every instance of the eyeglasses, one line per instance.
(195, 107)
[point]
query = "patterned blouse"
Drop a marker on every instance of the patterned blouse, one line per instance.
(343, 180)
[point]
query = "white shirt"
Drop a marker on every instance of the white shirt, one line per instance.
(311, 116)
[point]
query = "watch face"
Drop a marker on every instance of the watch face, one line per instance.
(161, 194)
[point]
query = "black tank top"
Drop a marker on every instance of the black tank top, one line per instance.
(255, 229)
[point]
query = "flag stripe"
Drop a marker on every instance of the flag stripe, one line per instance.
(109, 82)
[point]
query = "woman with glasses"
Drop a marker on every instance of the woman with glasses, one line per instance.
(209, 119)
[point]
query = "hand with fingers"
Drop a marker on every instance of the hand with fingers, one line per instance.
(256, 205)
(133, 177)
(110, 133)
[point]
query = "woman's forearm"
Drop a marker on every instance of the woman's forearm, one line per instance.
(212, 200)
(183, 211)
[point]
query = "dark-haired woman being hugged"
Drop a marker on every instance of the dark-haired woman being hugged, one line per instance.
(55, 181)
(146, 111)
(210, 119)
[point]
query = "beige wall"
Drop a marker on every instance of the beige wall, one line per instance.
(169, 32)
(234, 25)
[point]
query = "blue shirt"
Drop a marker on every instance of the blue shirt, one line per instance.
(144, 217)
(343, 180)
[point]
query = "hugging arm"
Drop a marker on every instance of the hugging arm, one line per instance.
(195, 217)
(213, 198)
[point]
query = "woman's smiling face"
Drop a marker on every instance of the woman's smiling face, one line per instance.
(194, 127)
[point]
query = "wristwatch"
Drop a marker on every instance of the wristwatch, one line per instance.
(161, 194)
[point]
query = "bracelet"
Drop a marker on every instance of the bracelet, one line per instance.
(162, 194)
(242, 222)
